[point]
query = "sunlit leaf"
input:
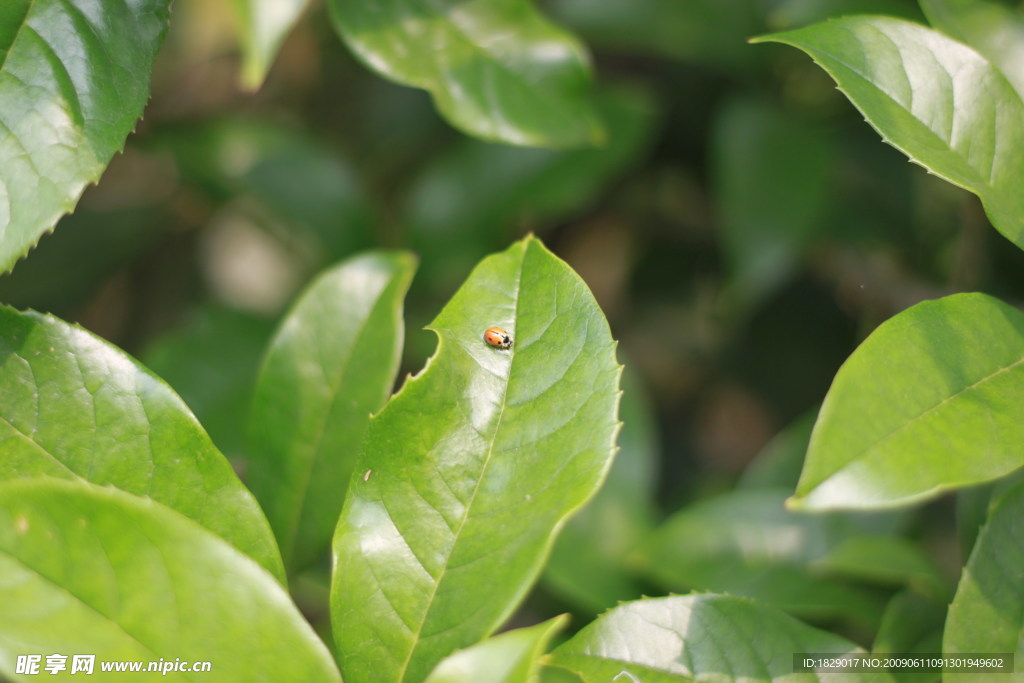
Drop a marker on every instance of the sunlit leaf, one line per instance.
(992, 28)
(88, 569)
(695, 637)
(263, 25)
(73, 406)
(938, 101)
(926, 404)
(497, 70)
(74, 77)
(332, 363)
(510, 657)
(471, 468)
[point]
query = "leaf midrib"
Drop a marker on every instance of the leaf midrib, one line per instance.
(416, 640)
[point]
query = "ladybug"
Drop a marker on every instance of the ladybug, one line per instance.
(498, 338)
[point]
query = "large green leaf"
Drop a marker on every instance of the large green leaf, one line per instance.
(991, 28)
(938, 101)
(714, 638)
(746, 543)
(929, 402)
(991, 590)
(263, 25)
(472, 467)
(497, 70)
(73, 406)
(511, 657)
(74, 76)
(332, 363)
(88, 569)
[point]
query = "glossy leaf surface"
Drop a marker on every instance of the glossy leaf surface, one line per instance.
(497, 70)
(695, 637)
(88, 569)
(926, 404)
(73, 406)
(510, 657)
(472, 466)
(990, 27)
(74, 77)
(332, 363)
(938, 101)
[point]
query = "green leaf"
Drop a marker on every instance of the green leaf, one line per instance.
(472, 467)
(746, 543)
(74, 77)
(263, 25)
(497, 70)
(771, 177)
(476, 196)
(991, 28)
(926, 404)
(589, 562)
(695, 637)
(85, 569)
(511, 657)
(987, 614)
(911, 623)
(885, 560)
(938, 101)
(332, 362)
(211, 361)
(73, 406)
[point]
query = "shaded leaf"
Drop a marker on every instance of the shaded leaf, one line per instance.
(496, 70)
(778, 464)
(991, 590)
(747, 543)
(134, 580)
(211, 361)
(510, 657)
(911, 623)
(938, 101)
(705, 31)
(73, 406)
(74, 77)
(771, 177)
(332, 362)
(472, 467)
(925, 404)
(283, 177)
(695, 637)
(263, 25)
